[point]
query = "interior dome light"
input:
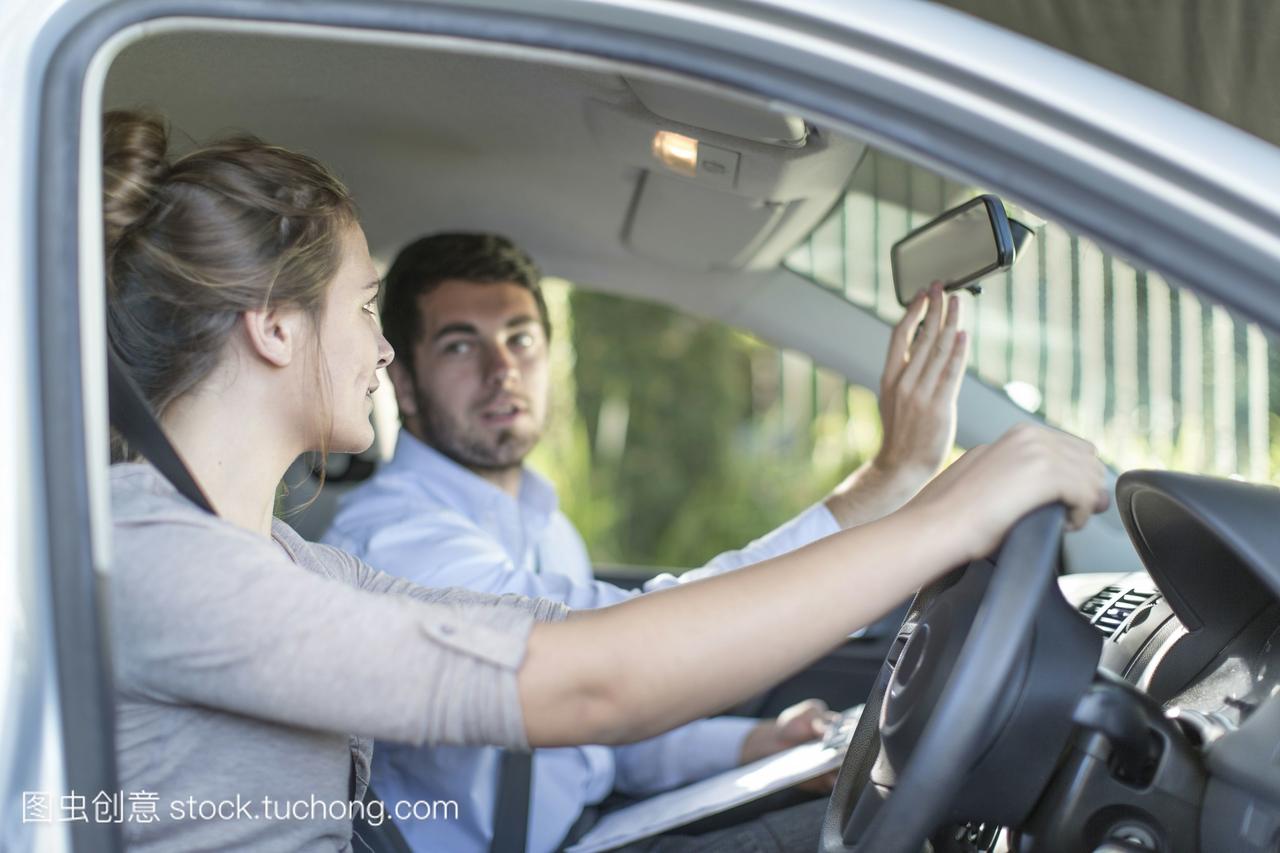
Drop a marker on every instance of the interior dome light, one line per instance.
(677, 152)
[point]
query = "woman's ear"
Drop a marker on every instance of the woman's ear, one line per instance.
(274, 334)
(402, 382)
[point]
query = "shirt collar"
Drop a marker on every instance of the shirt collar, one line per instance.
(467, 492)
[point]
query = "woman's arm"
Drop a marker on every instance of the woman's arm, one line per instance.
(654, 662)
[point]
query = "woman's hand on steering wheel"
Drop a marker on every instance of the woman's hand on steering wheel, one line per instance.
(986, 490)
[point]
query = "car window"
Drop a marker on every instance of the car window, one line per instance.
(1153, 374)
(671, 439)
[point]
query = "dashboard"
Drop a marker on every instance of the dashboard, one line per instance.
(1191, 651)
(1144, 642)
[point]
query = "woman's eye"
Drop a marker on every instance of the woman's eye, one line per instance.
(524, 340)
(371, 307)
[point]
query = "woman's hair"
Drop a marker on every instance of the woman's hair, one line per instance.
(193, 243)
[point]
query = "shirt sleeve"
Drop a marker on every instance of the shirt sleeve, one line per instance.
(444, 549)
(809, 526)
(228, 621)
(359, 573)
(681, 756)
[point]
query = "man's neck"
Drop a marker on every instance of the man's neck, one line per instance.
(507, 479)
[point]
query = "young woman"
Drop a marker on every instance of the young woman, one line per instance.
(252, 667)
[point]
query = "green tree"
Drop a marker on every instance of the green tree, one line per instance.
(669, 440)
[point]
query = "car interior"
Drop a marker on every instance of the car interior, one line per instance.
(586, 163)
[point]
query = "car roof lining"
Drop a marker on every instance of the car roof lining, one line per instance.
(434, 148)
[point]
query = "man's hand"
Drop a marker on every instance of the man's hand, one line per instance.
(919, 386)
(801, 723)
(918, 391)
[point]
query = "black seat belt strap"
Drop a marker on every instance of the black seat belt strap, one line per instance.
(131, 415)
(511, 806)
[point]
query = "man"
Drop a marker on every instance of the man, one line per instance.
(457, 507)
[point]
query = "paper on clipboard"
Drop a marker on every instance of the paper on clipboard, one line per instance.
(716, 794)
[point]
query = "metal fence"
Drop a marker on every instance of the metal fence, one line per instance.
(1150, 372)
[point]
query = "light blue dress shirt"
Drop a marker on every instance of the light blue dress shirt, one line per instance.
(426, 518)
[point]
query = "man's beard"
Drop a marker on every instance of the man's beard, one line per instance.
(506, 450)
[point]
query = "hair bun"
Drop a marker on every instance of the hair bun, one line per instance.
(134, 165)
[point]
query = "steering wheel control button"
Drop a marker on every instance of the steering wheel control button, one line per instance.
(914, 688)
(912, 656)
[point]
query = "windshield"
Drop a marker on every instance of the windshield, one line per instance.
(1149, 371)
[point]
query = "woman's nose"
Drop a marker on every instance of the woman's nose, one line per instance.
(386, 354)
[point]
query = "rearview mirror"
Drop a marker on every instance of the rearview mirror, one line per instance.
(963, 245)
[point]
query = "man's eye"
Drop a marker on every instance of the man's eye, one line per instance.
(457, 348)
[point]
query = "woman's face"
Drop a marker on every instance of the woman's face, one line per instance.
(352, 345)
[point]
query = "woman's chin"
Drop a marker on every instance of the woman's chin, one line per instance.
(356, 440)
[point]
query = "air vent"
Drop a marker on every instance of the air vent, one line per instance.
(1110, 609)
(1091, 607)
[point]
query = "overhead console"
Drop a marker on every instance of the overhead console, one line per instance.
(720, 184)
(719, 114)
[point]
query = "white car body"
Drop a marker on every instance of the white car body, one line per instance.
(1153, 180)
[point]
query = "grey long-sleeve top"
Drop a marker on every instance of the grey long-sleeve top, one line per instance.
(253, 671)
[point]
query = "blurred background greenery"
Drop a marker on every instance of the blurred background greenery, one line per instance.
(672, 439)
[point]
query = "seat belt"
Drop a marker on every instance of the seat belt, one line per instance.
(515, 777)
(382, 837)
(511, 806)
(131, 415)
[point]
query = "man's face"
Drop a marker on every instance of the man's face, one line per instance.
(479, 390)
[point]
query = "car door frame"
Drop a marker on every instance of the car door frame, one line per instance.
(922, 82)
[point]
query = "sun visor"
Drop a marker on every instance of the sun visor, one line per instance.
(697, 227)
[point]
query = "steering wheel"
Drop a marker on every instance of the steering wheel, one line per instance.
(973, 704)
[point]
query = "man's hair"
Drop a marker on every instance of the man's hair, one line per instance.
(428, 262)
